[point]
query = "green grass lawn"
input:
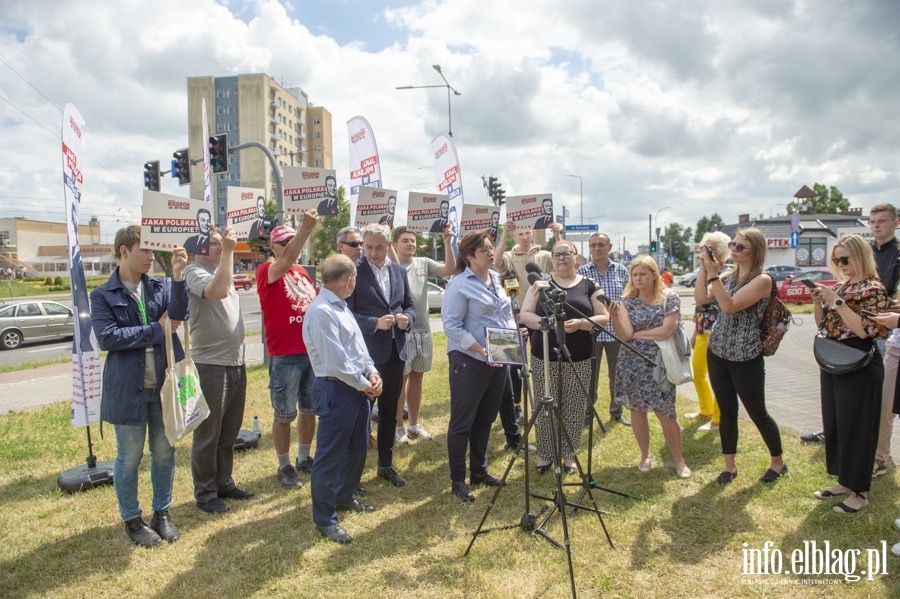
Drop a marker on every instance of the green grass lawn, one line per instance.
(677, 538)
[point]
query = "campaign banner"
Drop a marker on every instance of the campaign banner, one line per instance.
(169, 222)
(365, 167)
(246, 211)
(446, 165)
(477, 217)
(86, 381)
(376, 205)
(427, 212)
(531, 212)
(310, 188)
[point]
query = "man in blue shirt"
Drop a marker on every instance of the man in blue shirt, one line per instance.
(345, 378)
(612, 277)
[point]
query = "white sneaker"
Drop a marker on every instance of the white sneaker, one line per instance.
(709, 426)
(896, 549)
(417, 431)
(897, 522)
(400, 436)
(694, 415)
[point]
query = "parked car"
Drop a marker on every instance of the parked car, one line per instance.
(435, 297)
(242, 282)
(781, 273)
(28, 320)
(796, 292)
(688, 279)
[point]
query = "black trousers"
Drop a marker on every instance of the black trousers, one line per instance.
(391, 384)
(851, 411)
(746, 380)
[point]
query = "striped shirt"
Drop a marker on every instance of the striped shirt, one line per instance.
(613, 284)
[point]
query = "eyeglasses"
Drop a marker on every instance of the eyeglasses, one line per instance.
(562, 255)
(737, 247)
(284, 243)
(353, 244)
(485, 251)
(842, 260)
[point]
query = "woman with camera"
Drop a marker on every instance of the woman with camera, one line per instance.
(851, 402)
(704, 317)
(474, 300)
(735, 354)
(582, 294)
(648, 313)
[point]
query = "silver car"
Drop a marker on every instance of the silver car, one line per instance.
(435, 297)
(31, 320)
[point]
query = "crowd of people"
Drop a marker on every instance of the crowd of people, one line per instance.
(363, 341)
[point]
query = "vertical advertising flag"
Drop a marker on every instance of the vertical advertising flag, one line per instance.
(204, 139)
(446, 163)
(365, 167)
(85, 350)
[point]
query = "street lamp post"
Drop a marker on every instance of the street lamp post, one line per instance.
(656, 220)
(581, 206)
(437, 68)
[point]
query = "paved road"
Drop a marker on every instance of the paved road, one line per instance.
(792, 381)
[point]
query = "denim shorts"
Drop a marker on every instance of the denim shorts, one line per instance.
(290, 385)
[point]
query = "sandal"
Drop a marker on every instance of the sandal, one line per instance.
(645, 465)
(843, 508)
(542, 467)
(828, 494)
(770, 476)
(726, 477)
(683, 472)
(570, 468)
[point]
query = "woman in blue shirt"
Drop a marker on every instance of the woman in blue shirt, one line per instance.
(474, 299)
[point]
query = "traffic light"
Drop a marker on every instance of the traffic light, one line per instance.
(495, 191)
(500, 198)
(151, 175)
(181, 166)
(218, 153)
(652, 247)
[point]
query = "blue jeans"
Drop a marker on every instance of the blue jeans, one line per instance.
(130, 448)
(290, 385)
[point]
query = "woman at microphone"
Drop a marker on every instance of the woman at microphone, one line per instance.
(585, 296)
(474, 299)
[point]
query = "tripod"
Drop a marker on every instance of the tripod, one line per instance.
(547, 402)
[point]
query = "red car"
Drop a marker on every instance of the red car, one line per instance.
(242, 282)
(795, 292)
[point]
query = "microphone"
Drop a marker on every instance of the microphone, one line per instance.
(533, 277)
(511, 285)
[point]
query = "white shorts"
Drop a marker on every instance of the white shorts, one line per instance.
(419, 352)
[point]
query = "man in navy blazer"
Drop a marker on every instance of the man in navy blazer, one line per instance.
(383, 307)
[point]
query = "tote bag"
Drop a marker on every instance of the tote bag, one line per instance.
(183, 405)
(676, 357)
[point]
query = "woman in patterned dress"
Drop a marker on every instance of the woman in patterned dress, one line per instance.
(584, 295)
(648, 313)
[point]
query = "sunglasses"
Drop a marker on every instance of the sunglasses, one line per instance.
(283, 243)
(353, 244)
(842, 260)
(737, 247)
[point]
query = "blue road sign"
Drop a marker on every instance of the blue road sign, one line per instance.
(582, 227)
(795, 238)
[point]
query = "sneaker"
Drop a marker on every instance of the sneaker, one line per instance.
(305, 466)
(693, 415)
(816, 437)
(896, 549)
(417, 431)
(461, 490)
(709, 426)
(288, 477)
(400, 436)
(881, 466)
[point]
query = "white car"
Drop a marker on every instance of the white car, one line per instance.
(435, 297)
(688, 279)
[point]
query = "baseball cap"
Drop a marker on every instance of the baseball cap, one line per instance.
(282, 232)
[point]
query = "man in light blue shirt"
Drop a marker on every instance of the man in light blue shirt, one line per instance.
(345, 378)
(612, 278)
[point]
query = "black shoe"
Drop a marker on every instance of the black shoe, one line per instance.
(485, 479)
(391, 475)
(236, 493)
(141, 534)
(213, 506)
(305, 466)
(461, 490)
(726, 477)
(334, 533)
(356, 506)
(288, 476)
(816, 437)
(360, 491)
(162, 524)
(770, 476)
(622, 419)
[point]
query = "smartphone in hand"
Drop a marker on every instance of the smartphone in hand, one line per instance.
(868, 312)
(808, 283)
(709, 252)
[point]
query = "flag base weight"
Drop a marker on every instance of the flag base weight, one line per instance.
(86, 476)
(246, 440)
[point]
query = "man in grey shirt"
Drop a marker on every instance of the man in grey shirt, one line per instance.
(217, 348)
(419, 348)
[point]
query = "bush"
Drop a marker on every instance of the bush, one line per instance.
(48, 282)
(58, 281)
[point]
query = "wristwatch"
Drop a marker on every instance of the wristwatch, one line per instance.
(837, 303)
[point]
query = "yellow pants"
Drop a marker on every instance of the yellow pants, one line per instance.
(709, 408)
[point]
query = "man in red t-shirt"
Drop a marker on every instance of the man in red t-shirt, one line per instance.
(285, 291)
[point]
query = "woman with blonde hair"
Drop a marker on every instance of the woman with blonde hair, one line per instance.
(735, 355)
(582, 294)
(648, 313)
(704, 317)
(851, 403)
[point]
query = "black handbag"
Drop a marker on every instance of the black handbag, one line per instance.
(835, 357)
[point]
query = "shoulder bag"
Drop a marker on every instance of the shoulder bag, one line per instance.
(835, 357)
(775, 321)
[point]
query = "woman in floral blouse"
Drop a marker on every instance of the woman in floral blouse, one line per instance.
(851, 403)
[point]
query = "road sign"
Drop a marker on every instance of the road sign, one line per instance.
(582, 228)
(795, 238)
